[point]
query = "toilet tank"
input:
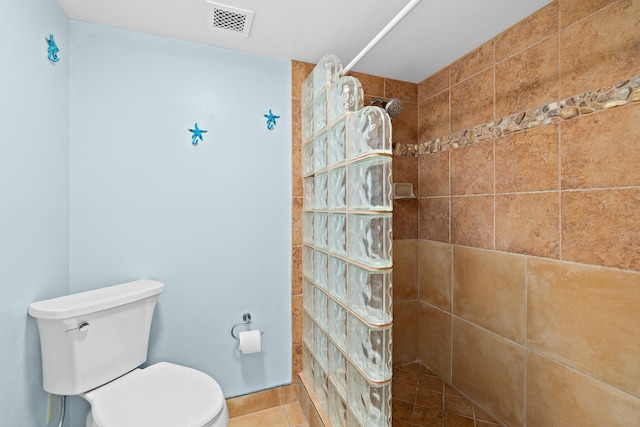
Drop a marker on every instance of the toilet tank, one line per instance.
(90, 338)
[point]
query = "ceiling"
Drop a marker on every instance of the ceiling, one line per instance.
(431, 36)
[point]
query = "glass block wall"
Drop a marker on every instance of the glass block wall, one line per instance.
(347, 258)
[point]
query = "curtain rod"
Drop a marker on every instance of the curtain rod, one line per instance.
(404, 12)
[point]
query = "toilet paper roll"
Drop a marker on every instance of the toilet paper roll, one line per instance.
(250, 342)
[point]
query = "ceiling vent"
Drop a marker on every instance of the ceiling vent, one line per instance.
(230, 19)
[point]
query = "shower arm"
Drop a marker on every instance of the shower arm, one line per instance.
(404, 12)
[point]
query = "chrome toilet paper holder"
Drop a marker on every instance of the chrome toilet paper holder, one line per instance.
(246, 319)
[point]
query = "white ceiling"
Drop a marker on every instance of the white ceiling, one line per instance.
(434, 34)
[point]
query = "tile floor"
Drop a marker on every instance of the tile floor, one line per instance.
(421, 398)
(289, 415)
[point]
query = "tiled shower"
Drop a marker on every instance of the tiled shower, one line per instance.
(515, 268)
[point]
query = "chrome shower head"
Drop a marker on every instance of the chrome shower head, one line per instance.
(393, 107)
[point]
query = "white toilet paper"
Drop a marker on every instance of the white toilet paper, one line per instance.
(250, 342)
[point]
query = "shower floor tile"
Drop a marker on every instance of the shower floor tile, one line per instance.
(422, 399)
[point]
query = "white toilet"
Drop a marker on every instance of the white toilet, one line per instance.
(92, 346)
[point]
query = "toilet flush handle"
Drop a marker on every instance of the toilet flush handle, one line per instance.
(82, 327)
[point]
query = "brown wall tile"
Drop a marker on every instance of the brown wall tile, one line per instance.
(405, 270)
(296, 218)
(405, 126)
(299, 72)
(489, 290)
(405, 345)
(572, 11)
(398, 89)
(472, 169)
(405, 219)
(435, 340)
(530, 30)
(490, 370)
(472, 101)
(434, 84)
(589, 158)
(296, 270)
(587, 317)
(528, 224)
(472, 221)
(434, 118)
(296, 170)
(434, 267)
(472, 63)
(602, 227)
(528, 79)
(254, 402)
(433, 219)
(600, 49)
(560, 396)
(405, 169)
(296, 319)
(434, 174)
(528, 161)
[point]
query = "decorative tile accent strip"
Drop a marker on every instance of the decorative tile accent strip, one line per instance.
(616, 95)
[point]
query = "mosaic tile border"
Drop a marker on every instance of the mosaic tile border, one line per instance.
(616, 95)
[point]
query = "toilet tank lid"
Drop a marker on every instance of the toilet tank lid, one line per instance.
(82, 303)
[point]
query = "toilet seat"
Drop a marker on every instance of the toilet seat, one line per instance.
(161, 395)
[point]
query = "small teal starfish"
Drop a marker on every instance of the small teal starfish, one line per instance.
(52, 50)
(196, 134)
(271, 120)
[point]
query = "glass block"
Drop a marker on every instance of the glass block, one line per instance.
(337, 138)
(309, 193)
(321, 385)
(369, 132)
(307, 368)
(370, 403)
(337, 408)
(370, 239)
(345, 95)
(370, 184)
(370, 294)
(320, 113)
(352, 420)
(337, 182)
(338, 369)
(308, 297)
(307, 227)
(322, 349)
(322, 309)
(308, 262)
(307, 158)
(338, 324)
(307, 91)
(338, 278)
(309, 332)
(307, 123)
(370, 349)
(321, 269)
(320, 191)
(337, 234)
(327, 70)
(320, 152)
(320, 230)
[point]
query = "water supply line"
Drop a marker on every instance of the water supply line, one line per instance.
(63, 406)
(404, 12)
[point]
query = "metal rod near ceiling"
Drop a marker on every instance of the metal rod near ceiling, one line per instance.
(404, 12)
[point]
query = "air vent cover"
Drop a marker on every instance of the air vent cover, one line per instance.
(229, 19)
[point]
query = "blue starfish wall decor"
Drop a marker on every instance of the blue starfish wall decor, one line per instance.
(52, 50)
(271, 120)
(196, 133)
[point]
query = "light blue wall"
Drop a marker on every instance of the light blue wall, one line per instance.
(34, 195)
(211, 221)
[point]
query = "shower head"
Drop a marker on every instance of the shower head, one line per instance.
(393, 107)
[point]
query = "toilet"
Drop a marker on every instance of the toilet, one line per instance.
(93, 344)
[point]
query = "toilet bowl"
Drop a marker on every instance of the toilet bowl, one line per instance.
(93, 344)
(161, 395)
